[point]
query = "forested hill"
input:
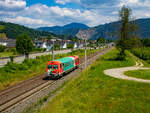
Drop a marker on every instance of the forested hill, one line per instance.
(108, 30)
(13, 30)
(144, 27)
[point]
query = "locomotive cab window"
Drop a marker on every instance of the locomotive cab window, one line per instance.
(49, 66)
(55, 66)
(60, 65)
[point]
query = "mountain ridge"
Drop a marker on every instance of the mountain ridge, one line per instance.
(105, 30)
(71, 30)
(63, 30)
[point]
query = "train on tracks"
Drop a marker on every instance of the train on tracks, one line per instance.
(56, 68)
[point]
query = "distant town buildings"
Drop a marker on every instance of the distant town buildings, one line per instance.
(48, 44)
(44, 43)
(8, 42)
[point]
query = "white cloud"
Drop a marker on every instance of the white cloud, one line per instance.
(42, 15)
(61, 1)
(12, 5)
(66, 1)
(141, 14)
(62, 16)
(28, 21)
(135, 3)
(140, 8)
(147, 14)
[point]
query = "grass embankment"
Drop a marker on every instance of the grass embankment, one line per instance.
(94, 92)
(13, 73)
(144, 74)
(6, 54)
(142, 53)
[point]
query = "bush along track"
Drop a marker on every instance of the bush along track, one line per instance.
(94, 92)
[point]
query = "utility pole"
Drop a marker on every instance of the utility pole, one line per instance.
(85, 60)
(105, 42)
(53, 49)
(84, 34)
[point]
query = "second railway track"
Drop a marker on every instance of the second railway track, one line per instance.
(10, 97)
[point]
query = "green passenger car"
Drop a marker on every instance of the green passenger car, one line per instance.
(68, 63)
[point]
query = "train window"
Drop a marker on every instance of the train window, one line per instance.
(60, 65)
(55, 66)
(49, 66)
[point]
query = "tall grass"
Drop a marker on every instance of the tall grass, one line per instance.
(143, 53)
(13, 73)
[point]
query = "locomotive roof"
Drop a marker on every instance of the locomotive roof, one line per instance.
(65, 60)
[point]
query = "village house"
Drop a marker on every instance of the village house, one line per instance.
(48, 44)
(8, 42)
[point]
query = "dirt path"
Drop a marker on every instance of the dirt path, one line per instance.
(119, 72)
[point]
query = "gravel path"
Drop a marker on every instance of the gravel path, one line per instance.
(119, 72)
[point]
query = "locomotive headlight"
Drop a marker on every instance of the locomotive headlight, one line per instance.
(48, 70)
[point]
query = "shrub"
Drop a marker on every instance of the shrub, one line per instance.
(11, 58)
(11, 67)
(70, 46)
(56, 46)
(44, 49)
(2, 48)
(23, 67)
(28, 62)
(143, 53)
(13, 50)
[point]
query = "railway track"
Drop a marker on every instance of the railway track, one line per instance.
(13, 95)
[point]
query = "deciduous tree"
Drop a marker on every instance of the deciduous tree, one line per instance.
(127, 31)
(2, 48)
(24, 44)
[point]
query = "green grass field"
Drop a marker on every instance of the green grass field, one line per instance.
(13, 73)
(6, 54)
(144, 74)
(94, 92)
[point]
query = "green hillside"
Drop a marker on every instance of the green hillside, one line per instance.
(13, 30)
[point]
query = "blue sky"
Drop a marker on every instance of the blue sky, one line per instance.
(40, 13)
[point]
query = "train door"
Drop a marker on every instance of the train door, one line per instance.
(77, 61)
(61, 68)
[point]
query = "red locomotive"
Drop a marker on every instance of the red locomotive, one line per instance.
(58, 67)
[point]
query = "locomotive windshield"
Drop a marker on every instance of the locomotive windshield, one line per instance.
(55, 66)
(49, 66)
(52, 67)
